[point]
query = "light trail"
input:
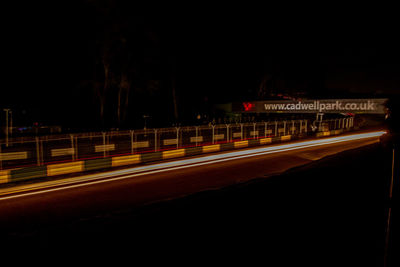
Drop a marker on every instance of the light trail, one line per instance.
(91, 179)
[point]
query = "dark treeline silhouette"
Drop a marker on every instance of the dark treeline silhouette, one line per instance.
(92, 65)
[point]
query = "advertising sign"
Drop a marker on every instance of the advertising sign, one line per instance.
(358, 106)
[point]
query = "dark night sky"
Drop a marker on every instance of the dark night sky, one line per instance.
(219, 57)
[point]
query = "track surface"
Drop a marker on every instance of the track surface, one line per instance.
(92, 213)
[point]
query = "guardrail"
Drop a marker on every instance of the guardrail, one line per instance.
(53, 155)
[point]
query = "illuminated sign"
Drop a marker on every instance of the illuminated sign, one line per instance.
(248, 106)
(370, 106)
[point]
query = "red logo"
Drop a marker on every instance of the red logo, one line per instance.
(248, 106)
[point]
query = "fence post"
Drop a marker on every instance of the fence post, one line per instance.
(37, 151)
(284, 127)
(265, 128)
(301, 125)
(76, 148)
(1, 159)
(241, 131)
(131, 133)
(41, 152)
(72, 146)
(177, 137)
(293, 129)
(155, 140)
(104, 144)
(227, 132)
(213, 126)
(197, 133)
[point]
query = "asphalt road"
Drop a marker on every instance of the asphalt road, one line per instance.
(119, 211)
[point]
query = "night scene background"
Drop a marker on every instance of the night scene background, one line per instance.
(93, 65)
(90, 66)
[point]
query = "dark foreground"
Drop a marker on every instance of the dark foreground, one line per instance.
(329, 212)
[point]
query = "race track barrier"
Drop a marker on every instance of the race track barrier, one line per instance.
(231, 136)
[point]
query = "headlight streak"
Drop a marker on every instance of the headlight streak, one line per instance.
(92, 179)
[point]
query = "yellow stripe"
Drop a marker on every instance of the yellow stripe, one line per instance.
(327, 133)
(241, 144)
(14, 155)
(4, 176)
(338, 131)
(64, 168)
(173, 153)
(265, 141)
(125, 160)
(211, 148)
(285, 137)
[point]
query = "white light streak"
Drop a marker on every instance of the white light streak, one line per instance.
(98, 178)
